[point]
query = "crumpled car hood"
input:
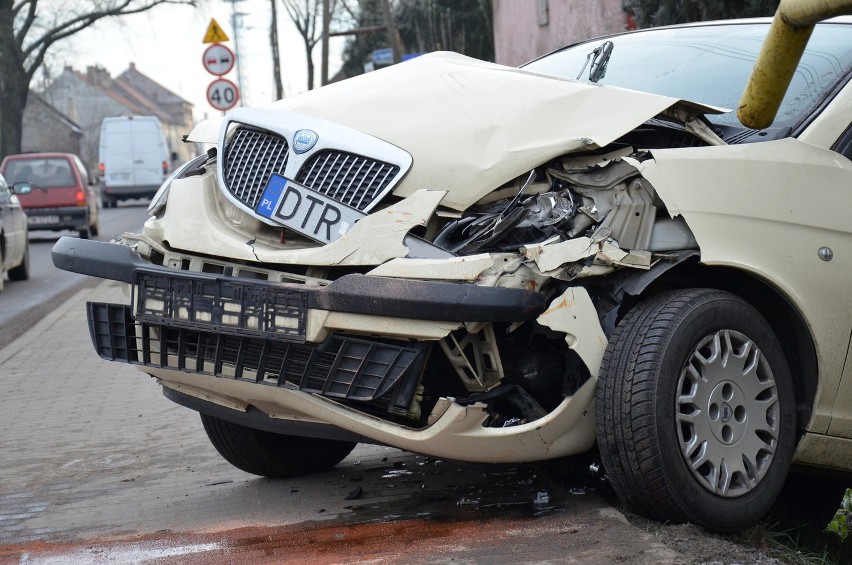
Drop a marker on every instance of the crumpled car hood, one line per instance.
(469, 125)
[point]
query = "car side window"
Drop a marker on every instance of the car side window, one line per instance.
(843, 145)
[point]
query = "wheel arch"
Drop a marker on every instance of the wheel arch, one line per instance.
(786, 320)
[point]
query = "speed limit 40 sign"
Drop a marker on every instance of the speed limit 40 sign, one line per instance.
(222, 94)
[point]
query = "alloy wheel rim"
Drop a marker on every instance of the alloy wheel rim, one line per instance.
(727, 413)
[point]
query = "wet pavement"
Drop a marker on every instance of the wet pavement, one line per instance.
(98, 467)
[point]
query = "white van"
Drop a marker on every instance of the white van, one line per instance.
(133, 157)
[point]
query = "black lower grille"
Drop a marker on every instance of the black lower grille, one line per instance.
(341, 367)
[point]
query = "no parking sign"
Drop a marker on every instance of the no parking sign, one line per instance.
(218, 60)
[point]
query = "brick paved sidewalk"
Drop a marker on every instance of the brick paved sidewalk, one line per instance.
(95, 460)
(93, 448)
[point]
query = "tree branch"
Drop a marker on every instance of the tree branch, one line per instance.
(37, 49)
(28, 21)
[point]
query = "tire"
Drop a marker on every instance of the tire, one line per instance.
(2, 272)
(84, 233)
(95, 228)
(273, 455)
(22, 271)
(693, 384)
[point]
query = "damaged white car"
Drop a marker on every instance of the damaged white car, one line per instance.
(492, 264)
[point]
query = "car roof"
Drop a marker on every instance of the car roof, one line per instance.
(847, 20)
(40, 155)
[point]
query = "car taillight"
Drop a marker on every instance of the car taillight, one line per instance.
(101, 169)
(165, 168)
(80, 197)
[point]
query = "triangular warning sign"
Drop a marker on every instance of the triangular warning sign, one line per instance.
(214, 33)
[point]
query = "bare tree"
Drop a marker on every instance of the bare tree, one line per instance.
(27, 32)
(307, 16)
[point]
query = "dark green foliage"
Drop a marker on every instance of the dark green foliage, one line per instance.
(840, 523)
(464, 26)
(358, 48)
(649, 13)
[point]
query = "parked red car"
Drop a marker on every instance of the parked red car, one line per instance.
(61, 196)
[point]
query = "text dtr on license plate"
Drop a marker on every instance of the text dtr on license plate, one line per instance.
(306, 211)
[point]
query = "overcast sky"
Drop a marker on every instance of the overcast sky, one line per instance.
(166, 45)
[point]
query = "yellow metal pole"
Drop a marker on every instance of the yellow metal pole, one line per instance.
(791, 28)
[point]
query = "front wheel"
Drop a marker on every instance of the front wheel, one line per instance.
(273, 455)
(695, 410)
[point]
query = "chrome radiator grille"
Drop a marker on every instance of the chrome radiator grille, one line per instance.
(251, 156)
(347, 178)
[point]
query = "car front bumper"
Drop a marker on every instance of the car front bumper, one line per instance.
(301, 353)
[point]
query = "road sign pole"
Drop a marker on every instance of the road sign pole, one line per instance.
(219, 60)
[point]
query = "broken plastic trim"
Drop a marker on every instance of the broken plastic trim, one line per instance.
(341, 367)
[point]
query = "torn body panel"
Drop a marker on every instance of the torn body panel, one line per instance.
(455, 429)
(542, 118)
(195, 202)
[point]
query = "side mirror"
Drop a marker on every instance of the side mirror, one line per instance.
(21, 188)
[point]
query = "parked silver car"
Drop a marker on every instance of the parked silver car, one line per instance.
(14, 240)
(492, 264)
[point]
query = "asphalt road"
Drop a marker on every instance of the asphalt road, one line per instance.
(22, 303)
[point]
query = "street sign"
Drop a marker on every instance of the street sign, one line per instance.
(218, 59)
(222, 94)
(382, 56)
(214, 33)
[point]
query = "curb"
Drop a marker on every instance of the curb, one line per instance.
(48, 321)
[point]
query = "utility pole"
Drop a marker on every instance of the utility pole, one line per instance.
(238, 56)
(326, 23)
(276, 58)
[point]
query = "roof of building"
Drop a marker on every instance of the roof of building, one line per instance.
(62, 118)
(136, 92)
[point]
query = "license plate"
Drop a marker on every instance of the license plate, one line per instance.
(306, 211)
(42, 220)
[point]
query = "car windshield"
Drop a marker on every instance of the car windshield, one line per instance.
(40, 173)
(707, 64)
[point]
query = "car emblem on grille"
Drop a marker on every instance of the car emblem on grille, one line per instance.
(304, 139)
